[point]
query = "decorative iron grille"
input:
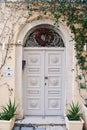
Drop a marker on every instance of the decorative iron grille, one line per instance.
(44, 37)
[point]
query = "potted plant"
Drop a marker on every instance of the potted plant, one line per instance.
(85, 114)
(74, 117)
(7, 116)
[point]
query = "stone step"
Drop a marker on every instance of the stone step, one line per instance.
(59, 120)
(28, 127)
(38, 123)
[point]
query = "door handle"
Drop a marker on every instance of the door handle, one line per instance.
(46, 77)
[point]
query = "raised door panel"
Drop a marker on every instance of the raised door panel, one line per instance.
(34, 82)
(53, 87)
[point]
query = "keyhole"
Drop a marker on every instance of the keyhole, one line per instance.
(45, 83)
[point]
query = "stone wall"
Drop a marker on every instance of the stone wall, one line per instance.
(14, 19)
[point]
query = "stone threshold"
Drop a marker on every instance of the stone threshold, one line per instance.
(42, 121)
(29, 127)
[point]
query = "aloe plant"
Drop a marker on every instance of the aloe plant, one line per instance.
(74, 113)
(8, 111)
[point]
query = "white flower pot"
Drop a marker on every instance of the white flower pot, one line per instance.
(85, 116)
(7, 125)
(74, 125)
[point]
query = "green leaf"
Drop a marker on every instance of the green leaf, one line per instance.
(8, 111)
(74, 112)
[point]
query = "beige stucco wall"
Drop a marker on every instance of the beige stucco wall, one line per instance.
(14, 19)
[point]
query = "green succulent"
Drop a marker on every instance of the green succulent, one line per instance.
(8, 111)
(74, 113)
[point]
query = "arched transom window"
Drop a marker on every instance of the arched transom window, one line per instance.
(44, 37)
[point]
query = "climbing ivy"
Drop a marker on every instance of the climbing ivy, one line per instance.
(74, 14)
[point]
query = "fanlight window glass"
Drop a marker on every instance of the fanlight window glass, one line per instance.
(44, 37)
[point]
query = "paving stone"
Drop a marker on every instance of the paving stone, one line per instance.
(40, 128)
(60, 128)
(26, 128)
(16, 128)
(56, 128)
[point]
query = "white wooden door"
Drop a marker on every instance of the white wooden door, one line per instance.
(43, 87)
(54, 83)
(34, 82)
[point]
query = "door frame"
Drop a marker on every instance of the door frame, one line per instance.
(58, 49)
(69, 65)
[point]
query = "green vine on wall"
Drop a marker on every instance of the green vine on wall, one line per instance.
(74, 14)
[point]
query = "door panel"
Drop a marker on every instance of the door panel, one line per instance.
(53, 87)
(34, 82)
(43, 87)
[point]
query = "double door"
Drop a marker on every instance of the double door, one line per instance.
(43, 88)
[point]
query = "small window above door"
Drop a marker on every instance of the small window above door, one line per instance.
(44, 37)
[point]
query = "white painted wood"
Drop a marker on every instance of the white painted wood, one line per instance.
(34, 83)
(43, 77)
(53, 87)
